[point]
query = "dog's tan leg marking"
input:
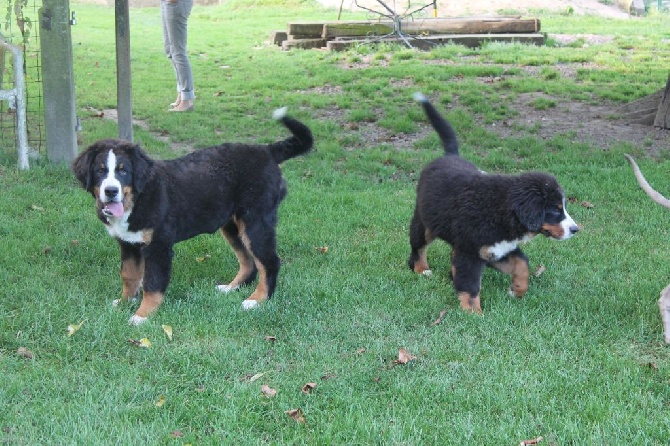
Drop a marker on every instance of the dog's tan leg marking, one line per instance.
(150, 303)
(518, 268)
(260, 294)
(664, 306)
(245, 261)
(131, 275)
(421, 265)
(470, 303)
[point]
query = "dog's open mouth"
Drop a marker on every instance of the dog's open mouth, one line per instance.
(113, 209)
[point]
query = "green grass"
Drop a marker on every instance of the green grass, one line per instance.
(579, 360)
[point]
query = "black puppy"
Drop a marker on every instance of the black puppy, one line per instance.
(148, 205)
(484, 217)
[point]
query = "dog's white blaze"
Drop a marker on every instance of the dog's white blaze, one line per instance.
(566, 224)
(501, 249)
(110, 180)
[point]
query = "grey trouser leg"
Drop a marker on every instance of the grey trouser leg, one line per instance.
(175, 35)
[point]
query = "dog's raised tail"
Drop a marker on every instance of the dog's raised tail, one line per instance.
(656, 196)
(444, 130)
(299, 143)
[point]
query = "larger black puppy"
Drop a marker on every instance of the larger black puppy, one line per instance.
(149, 205)
(484, 217)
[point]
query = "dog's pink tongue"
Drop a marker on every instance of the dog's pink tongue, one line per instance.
(115, 208)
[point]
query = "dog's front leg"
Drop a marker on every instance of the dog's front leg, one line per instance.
(132, 271)
(664, 306)
(157, 271)
(515, 264)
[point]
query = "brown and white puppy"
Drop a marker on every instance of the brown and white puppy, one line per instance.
(148, 205)
(484, 217)
(664, 300)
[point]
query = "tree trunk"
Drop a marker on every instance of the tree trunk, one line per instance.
(662, 119)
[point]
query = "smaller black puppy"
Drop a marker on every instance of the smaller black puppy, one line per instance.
(148, 205)
(484, 217)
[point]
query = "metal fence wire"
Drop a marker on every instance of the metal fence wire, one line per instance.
(19, 26)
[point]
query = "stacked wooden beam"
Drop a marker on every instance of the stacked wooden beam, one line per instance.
(423, 34)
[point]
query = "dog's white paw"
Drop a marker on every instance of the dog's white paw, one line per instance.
(137, 320)
(427, 273)
(226, 288)
(249, 304)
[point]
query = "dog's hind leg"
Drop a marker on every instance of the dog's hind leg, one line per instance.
(515, 264)
(664, 306)
(247, 271)
(466, 272)
(261, 242)
(419, 239)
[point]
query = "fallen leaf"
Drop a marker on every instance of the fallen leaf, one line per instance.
(531, 442)
(270, 338)
(161, 401)
(24, 353)
(572, 199)
(322, 249)
(168, 331)
(587, 204)
(256, 376)
(176, 434)
(73, 328)
(203, 258)
(34, 207)
(142, 343)
(652, 365)
(404, 357)
(360, 351)
(75, 242)
(268, 391)
(328, 376)
(540, 269)
(307, 388)
(296, 414)
(439, 318)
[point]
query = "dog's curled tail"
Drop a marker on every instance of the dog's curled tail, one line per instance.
(656, 196)
(299, 143)
(444, 130)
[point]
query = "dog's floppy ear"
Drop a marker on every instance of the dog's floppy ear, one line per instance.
(529, 197)
(142, 168)
(82, 166)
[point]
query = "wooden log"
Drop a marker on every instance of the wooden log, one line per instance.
(303, 43)
(434, 26)
(662, 118)
(278, 37)
(428, 42)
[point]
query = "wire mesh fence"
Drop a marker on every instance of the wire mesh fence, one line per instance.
(19, 26)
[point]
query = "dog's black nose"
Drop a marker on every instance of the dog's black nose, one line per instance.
(574, 229)
(111, 191)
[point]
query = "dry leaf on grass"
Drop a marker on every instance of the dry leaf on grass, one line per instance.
(24, 353)
(270, 338)
(255, 377)
(268, 391)
(328, 376)
(34, 207)
(307, 388)
(168, 331)
(176, 434)
(322, 249)
(439, 318)
(360, 351)
(73, 328)
(587, 204)
(161, 401)
(404, 357)
(296, 414)
(540, 269)
(531, 442)
(203, 258)
(142, 343)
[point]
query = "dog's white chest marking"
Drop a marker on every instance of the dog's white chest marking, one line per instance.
(501, 249)
(118, 228)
